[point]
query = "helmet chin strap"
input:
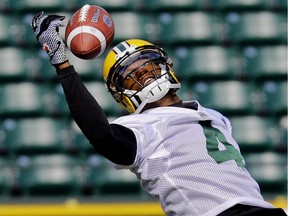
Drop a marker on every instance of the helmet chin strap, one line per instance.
(155, 90)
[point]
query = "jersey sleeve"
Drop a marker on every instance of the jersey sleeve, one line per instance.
(115, 142)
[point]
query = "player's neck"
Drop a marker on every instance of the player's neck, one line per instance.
(167, 100)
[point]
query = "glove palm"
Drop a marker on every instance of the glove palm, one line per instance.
(46, 29)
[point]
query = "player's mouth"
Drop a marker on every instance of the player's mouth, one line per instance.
(148, 81)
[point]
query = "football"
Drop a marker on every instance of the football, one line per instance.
(89, 32)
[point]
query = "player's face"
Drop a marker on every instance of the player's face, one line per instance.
(140, 74)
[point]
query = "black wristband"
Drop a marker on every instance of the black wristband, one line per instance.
(57, 65)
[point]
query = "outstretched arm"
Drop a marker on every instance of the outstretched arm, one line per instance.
(115, 142)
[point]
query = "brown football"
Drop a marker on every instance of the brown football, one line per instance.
(89, 32)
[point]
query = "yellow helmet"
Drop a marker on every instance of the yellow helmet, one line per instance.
(123, 55)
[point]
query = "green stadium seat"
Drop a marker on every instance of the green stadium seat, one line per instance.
(281, 143)
(9, 29)
(269, 170)
(171, 5)
(2, 147)
(60, 106)
(4, 6)
(104, 98)
(23, 99)
(206, 62)
(98, 91)
(16, 64)
(265, 62)
(262, 27)
(280, 5)
(5, 177)
(81, 144)
(49, 175)
(106, 180)
(35, 135)
(254, 133)
(43, 71)
(26, 35)
(275, 97)
(130, 25)
(237, 5)
(229, 97)
(87, 70)
(109, 5)
(189, 28)
(24, 6)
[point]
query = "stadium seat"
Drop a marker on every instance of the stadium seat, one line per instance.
(87, 70)
(59, 105)
(269, 170)
(4, 6)
(106, 180)
(254, 133)
(23, 99)
(133, 25)
(16, 64)
(49, 175)
(3, 150)
(26, 35)
(265, 62)
(206, 62)
(109, 5)
(262, 27)
(229, 97)
(35, 135)
(241, 5)
(171, 5)
(24, 6)
(275, 97)
(9, 29)
(5, 177)
(98, 91)
(104, 98)
(189, 28)
(281, 145)
(280, 5)
(43, 70)
(80, 144)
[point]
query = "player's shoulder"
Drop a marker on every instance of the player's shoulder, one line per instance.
(212, 113)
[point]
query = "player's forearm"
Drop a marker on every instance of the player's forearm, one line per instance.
(91, 119)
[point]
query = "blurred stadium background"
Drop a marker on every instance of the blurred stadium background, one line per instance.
(230, 55)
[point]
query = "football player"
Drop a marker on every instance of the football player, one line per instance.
(182, 153)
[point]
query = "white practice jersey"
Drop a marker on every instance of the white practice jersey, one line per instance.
(188, 159)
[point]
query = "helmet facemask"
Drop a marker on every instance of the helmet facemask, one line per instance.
(159, 67)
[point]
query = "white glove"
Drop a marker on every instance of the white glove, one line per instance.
(46, 29)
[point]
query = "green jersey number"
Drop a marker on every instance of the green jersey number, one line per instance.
(213, 137)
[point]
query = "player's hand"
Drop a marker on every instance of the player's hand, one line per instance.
(46, 29)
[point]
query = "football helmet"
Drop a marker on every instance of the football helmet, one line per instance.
(121, 57)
